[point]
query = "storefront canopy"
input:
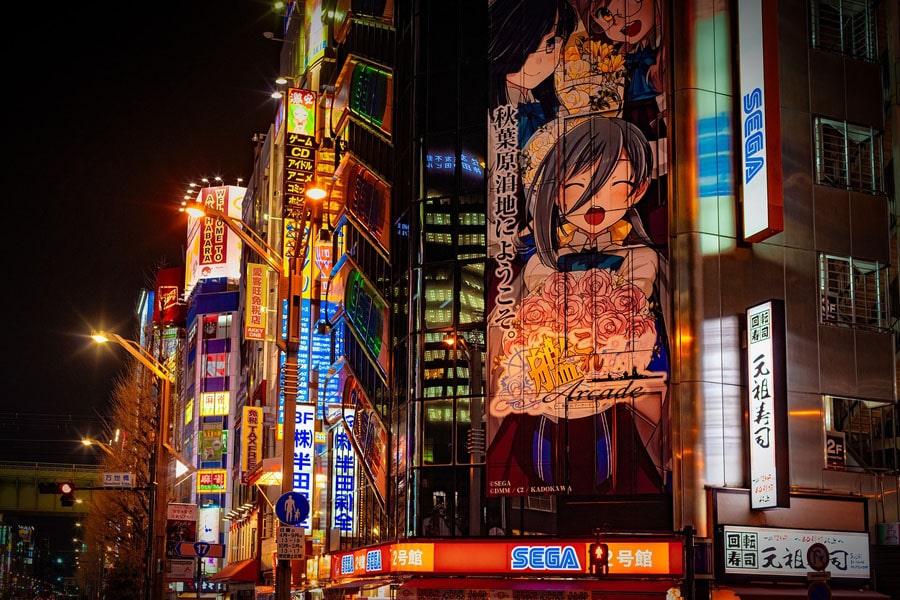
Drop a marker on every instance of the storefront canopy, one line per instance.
(242, 570)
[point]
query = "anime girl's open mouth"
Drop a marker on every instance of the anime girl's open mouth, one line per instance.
(632, 29)
(595, 215)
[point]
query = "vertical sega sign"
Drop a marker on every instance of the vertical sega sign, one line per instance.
(760, 119)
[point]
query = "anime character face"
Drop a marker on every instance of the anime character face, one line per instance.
(596, 214)
(624, 20)
(539, 64)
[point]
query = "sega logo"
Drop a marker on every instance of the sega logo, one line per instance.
(754, 141)
(545, 558)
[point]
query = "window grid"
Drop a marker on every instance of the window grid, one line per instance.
(845, 26)
(853, 292)
(848, 156)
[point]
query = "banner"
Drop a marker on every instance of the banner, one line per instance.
(577, 245)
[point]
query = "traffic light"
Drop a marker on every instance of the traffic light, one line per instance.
(65, 489)
(599, 557)
(68, 494)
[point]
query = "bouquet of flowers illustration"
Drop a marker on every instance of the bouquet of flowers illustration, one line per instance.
(591, 77)
(578, 326)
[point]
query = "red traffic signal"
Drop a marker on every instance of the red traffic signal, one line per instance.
(599, 557)
(65, 489)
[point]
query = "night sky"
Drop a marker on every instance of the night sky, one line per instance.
(113, 109)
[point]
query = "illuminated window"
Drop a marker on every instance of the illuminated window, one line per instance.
(845, 26)
(853, 292)
(868, 431)
(848, 156)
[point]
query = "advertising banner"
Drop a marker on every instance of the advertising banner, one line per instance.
(577, 244)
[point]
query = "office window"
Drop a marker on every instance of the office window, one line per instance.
(845, 26)
(848, 156)
(542, 503)
(853, 292)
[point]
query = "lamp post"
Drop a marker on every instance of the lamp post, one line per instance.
(475, 442)
(156, 542)
(101, 445)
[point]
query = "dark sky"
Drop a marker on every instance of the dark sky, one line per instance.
(111, 109)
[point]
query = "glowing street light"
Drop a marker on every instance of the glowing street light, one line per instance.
(156, 542)
(241, 229)
(105, 447)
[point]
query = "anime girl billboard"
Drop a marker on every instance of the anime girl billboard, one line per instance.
(577, 346)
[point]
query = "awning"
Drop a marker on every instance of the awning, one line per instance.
(363, 584)
(784, 592)
(632, 589)
(242, 570)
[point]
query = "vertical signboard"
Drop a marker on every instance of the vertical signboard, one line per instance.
(213, 250)
(169, 307)
(255, 324)
(304, 453)
(577, 341)
(767, 406)
(760, 119)
(343, 481)
(299, 164)
(251, 439)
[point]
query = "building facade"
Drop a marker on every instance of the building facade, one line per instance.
(600, 301)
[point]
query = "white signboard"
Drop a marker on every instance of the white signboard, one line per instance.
(759, 123)
(118, 480)
(765, 402)
(182, 512)
(769, 551)
(304, 449)
(291, 542)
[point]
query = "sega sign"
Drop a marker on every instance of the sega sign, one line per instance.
(760, 121)
(545, 558)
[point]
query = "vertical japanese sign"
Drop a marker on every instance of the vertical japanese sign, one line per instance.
(577, 173)
(760, 119)
(213, 250)
(299, 164)
(251, 439)
(767, 406)
(304, 451)
(343, 480)
(255, 324)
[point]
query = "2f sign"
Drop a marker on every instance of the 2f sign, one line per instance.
(835, 449)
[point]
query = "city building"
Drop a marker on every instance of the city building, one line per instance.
(599, 300)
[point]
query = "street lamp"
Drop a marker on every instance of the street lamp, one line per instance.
(241, 229)
(156, 542)
(101, 445)
(475, 442)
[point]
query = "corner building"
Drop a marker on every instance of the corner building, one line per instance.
(610, 278)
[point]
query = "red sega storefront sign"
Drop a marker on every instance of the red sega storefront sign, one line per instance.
(632, 557)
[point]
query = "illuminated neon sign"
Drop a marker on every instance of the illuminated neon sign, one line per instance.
(545, 558)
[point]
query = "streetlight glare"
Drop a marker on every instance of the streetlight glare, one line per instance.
(195, 210)
(99, 337)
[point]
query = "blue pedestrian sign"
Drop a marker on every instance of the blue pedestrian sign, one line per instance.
(292, 508)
